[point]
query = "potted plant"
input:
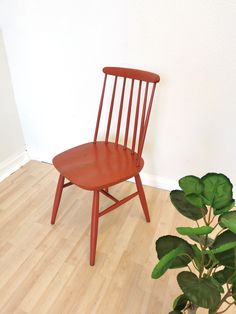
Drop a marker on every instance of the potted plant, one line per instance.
(209, 280)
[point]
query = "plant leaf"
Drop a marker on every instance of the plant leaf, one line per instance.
(201, 292)
(210, 260)
(180, 202)
(203, 240)
(168, 243)
(228, 220)
(226, 257)
(217, 190)
(175, 312)
(180, 302)
(224, 275)
(195, 200)
(217, 284)
(212, 311)
(165, 262)
(225, 209)
(194, 231)
(198, 259)
(191, 185)
(224, 247)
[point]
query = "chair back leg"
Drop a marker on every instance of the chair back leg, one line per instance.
(94, 227)
(142, 197)
(57, 199)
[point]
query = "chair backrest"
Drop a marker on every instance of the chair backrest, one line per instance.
(138, 94)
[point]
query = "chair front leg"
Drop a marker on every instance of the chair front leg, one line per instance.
(57, 199)
(94, 227)
(142, 197)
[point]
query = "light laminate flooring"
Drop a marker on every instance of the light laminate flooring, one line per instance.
(45, 268)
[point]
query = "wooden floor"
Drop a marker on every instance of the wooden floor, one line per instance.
(45, 269)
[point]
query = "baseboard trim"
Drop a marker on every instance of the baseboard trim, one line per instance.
(162, 183)
(13, 163)
(157, 182)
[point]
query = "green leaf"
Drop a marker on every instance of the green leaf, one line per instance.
(217, 190)
(212, 311)
(198, 258)
(165, 262)
(226, 257)
(228, 220)
(191, 185)
(168, 243)
(225, 275)
(195, 200)
(224, 247)
(201, 292)
(225, 209)
(175, 312)
(217, 284)
(180, 302)
(229, 224)
(180, 202)
(203, 240)
(194, 231)
(210, 260)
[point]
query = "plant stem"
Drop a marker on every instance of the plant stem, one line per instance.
(215, 225)
(219, 232)
(225, 297)
(189, 268)
(203, 216)
(192, 309)
(209, 216)
(213, 218)
(195, 266)
(225, 308)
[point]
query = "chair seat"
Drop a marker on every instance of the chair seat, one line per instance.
(94, 166)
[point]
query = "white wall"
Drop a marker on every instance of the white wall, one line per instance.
(56, 50)
(12, 146)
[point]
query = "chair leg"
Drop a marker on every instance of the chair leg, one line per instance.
(94, 227)
(142, 197)
(57, 198)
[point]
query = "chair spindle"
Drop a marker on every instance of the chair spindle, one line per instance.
(100, 109)
(128, 114)
(120, 111)
(136, 117)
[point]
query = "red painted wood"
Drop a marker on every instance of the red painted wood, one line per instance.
(133, 74)
(128, 114)
(120, 111)
(94, 227)
(57, 199)
(136, 117)
(100, 109)
(94, 166)
(67, 184)
(98, 165)
(105, 192)
(111, 110)
(143, 118)
(142, 139)
(114, 206)
(142, 197)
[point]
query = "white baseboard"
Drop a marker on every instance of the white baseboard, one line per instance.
(162, 183)
(157, 182)
(13, 163)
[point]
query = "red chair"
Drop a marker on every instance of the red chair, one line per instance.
(98, 165)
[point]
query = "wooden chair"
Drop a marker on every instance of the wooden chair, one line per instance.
(98, 165)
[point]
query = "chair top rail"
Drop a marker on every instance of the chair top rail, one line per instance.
(132, 74)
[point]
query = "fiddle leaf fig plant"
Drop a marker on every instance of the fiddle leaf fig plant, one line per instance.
(208, 279)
